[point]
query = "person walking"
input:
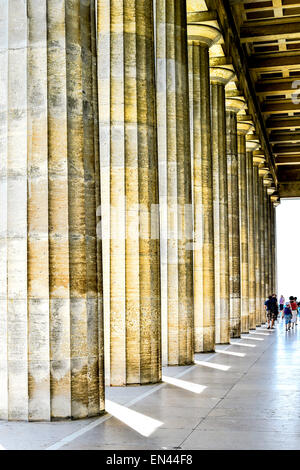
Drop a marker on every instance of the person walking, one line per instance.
(273, 310)
(268, 310)
(287, 315)
(281, 303)
(294, 309)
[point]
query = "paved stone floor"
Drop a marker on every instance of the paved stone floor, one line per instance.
(245, 396)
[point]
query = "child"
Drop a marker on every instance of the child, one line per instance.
(294, 308)
(287, 314)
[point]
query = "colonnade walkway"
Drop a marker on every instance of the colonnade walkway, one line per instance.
(244, 396)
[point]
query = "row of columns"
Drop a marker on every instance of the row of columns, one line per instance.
(137, 226)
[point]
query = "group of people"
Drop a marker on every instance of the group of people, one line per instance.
(288, 311)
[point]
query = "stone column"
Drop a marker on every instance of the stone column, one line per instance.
(262, 173)
(275, 202)
(270, 190)
(233, 106)
(251, 241)
(266, 241)
(51, 353)
(201, 37)
(128, 154)
(219, 78)
(243, 129)
(174, 182)
(258, 158)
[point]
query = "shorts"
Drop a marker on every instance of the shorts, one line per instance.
(288, 318)
(281, 306)
(271, 316)
(294, 316)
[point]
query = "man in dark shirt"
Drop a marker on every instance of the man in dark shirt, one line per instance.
(272, 310)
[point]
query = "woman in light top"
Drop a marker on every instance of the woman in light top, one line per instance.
(281, 302)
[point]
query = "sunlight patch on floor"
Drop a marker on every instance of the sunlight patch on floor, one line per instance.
(190, 386)
(212, 365)
(258, 333)
(252, 339)
(141, 423)
(230, 353)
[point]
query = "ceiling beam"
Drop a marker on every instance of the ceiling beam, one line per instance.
(274, 61)
(288, 106)
(275, 87)
(256, 7)
(288, 161)
(286, 149)
(275, 30)
(278, 137)
(283, 123)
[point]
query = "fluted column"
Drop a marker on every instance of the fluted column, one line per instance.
(200, 39)
(258, 158)
(266, 242)
(270, 190)
(174, 182)
(51, 334)
(243, 129)
(128, 154)
(275, 202)
(262, 173)
(219, 78)
(233, 106)
(251, 241)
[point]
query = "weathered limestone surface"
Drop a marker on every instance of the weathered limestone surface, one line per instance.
(262, 241)
(219, 78)
(175, 193)
(129, 167)
(266, 241)
(232, 108)
(251, 242)
(200, 39)
(51, 332)
(243, 203)
(257, 209)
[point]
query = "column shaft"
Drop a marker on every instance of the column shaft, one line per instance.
(243, 211)
(257, 210)
(266, 243)
(251, 242)
(234, 228)
(54, 345)
(174, 182)
(221, 227)
(128, 153)
(270, 233)
(262, 247)
(204, 292)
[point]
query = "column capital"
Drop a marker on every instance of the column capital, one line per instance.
(258, 157)
(235, 104)
(275, 199)
(221, 75)
(203, 34)
(245, 124)
(244, 127)
(271, 189)
(252, 142)
(268, 180)
(263, 171)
